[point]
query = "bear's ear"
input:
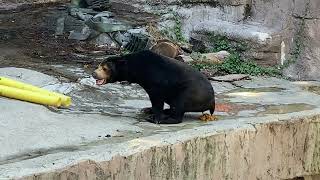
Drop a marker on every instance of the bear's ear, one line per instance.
(111, 65)
(113, 58)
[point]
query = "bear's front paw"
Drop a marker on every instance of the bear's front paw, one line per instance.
(147, 110)
(153, 119)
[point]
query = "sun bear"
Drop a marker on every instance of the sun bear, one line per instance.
(165, 80)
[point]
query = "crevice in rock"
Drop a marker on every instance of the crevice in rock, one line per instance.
(304, 17)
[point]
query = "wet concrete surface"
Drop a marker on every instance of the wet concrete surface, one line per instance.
(40, 138)
(105, 121)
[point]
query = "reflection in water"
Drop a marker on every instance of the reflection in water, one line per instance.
(286, 108)
(253, 92)
(257, 90)
(313, 89)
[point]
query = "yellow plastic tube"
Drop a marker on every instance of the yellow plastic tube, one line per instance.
(29, 96)
(65, 100)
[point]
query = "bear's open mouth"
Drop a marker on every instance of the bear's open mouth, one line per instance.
(100, 82)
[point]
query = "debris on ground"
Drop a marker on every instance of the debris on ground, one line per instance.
(208, 117)
(231, 78)
(184, 58)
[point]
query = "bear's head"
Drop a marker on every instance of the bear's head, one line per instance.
(106, 71)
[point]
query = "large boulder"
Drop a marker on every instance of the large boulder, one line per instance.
(302, 57)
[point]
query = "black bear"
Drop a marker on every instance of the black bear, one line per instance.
(165, 80)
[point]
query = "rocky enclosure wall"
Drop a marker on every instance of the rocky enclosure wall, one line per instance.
(288, 31)
(6, 6)
(281, 150)
(302, 38)
(280, 32)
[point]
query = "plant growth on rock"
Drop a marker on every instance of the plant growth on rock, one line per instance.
(235, 63)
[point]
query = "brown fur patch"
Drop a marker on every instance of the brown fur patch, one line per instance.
(166, 48)
(103, 72)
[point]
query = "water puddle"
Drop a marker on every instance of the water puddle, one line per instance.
(313, 89)
(258, 90)
(285, 108)
(251, 92)
(257, 107)
(234, 109)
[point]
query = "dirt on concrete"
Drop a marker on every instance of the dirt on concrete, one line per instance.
(27, 37)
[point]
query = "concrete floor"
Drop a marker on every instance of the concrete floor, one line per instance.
(104, 122)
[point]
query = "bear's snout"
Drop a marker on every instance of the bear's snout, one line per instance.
(94, 75)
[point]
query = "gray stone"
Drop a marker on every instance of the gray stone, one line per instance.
(106, 25)
(222, 55)
(84, 17)
(104, 14)
(307, 9)
(217, 57)
(138, 31)
(184, 58)
(60, 26)
(104, 40)
(82, 13)
(83, 35)
(306, 63)
(122, 38)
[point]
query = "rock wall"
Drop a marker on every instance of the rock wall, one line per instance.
(296, 23)
(279, 32)
(6, 6)
(281, 150)
(303, 41)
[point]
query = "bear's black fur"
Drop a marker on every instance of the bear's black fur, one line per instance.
(165, 80)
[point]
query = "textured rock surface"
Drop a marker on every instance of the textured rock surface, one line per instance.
(278, 32)
(8, 5)
(281, 150)
(271, 28)
(303, 42)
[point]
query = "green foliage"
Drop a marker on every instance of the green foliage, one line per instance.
(222, 43)
(298, 45)
(177, 29)
(125, 52)
(200, 65)
(197, 56)
(234, 64)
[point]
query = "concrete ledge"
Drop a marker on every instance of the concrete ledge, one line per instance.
(277, 150)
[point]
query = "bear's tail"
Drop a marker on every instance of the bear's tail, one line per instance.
(212, 107)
